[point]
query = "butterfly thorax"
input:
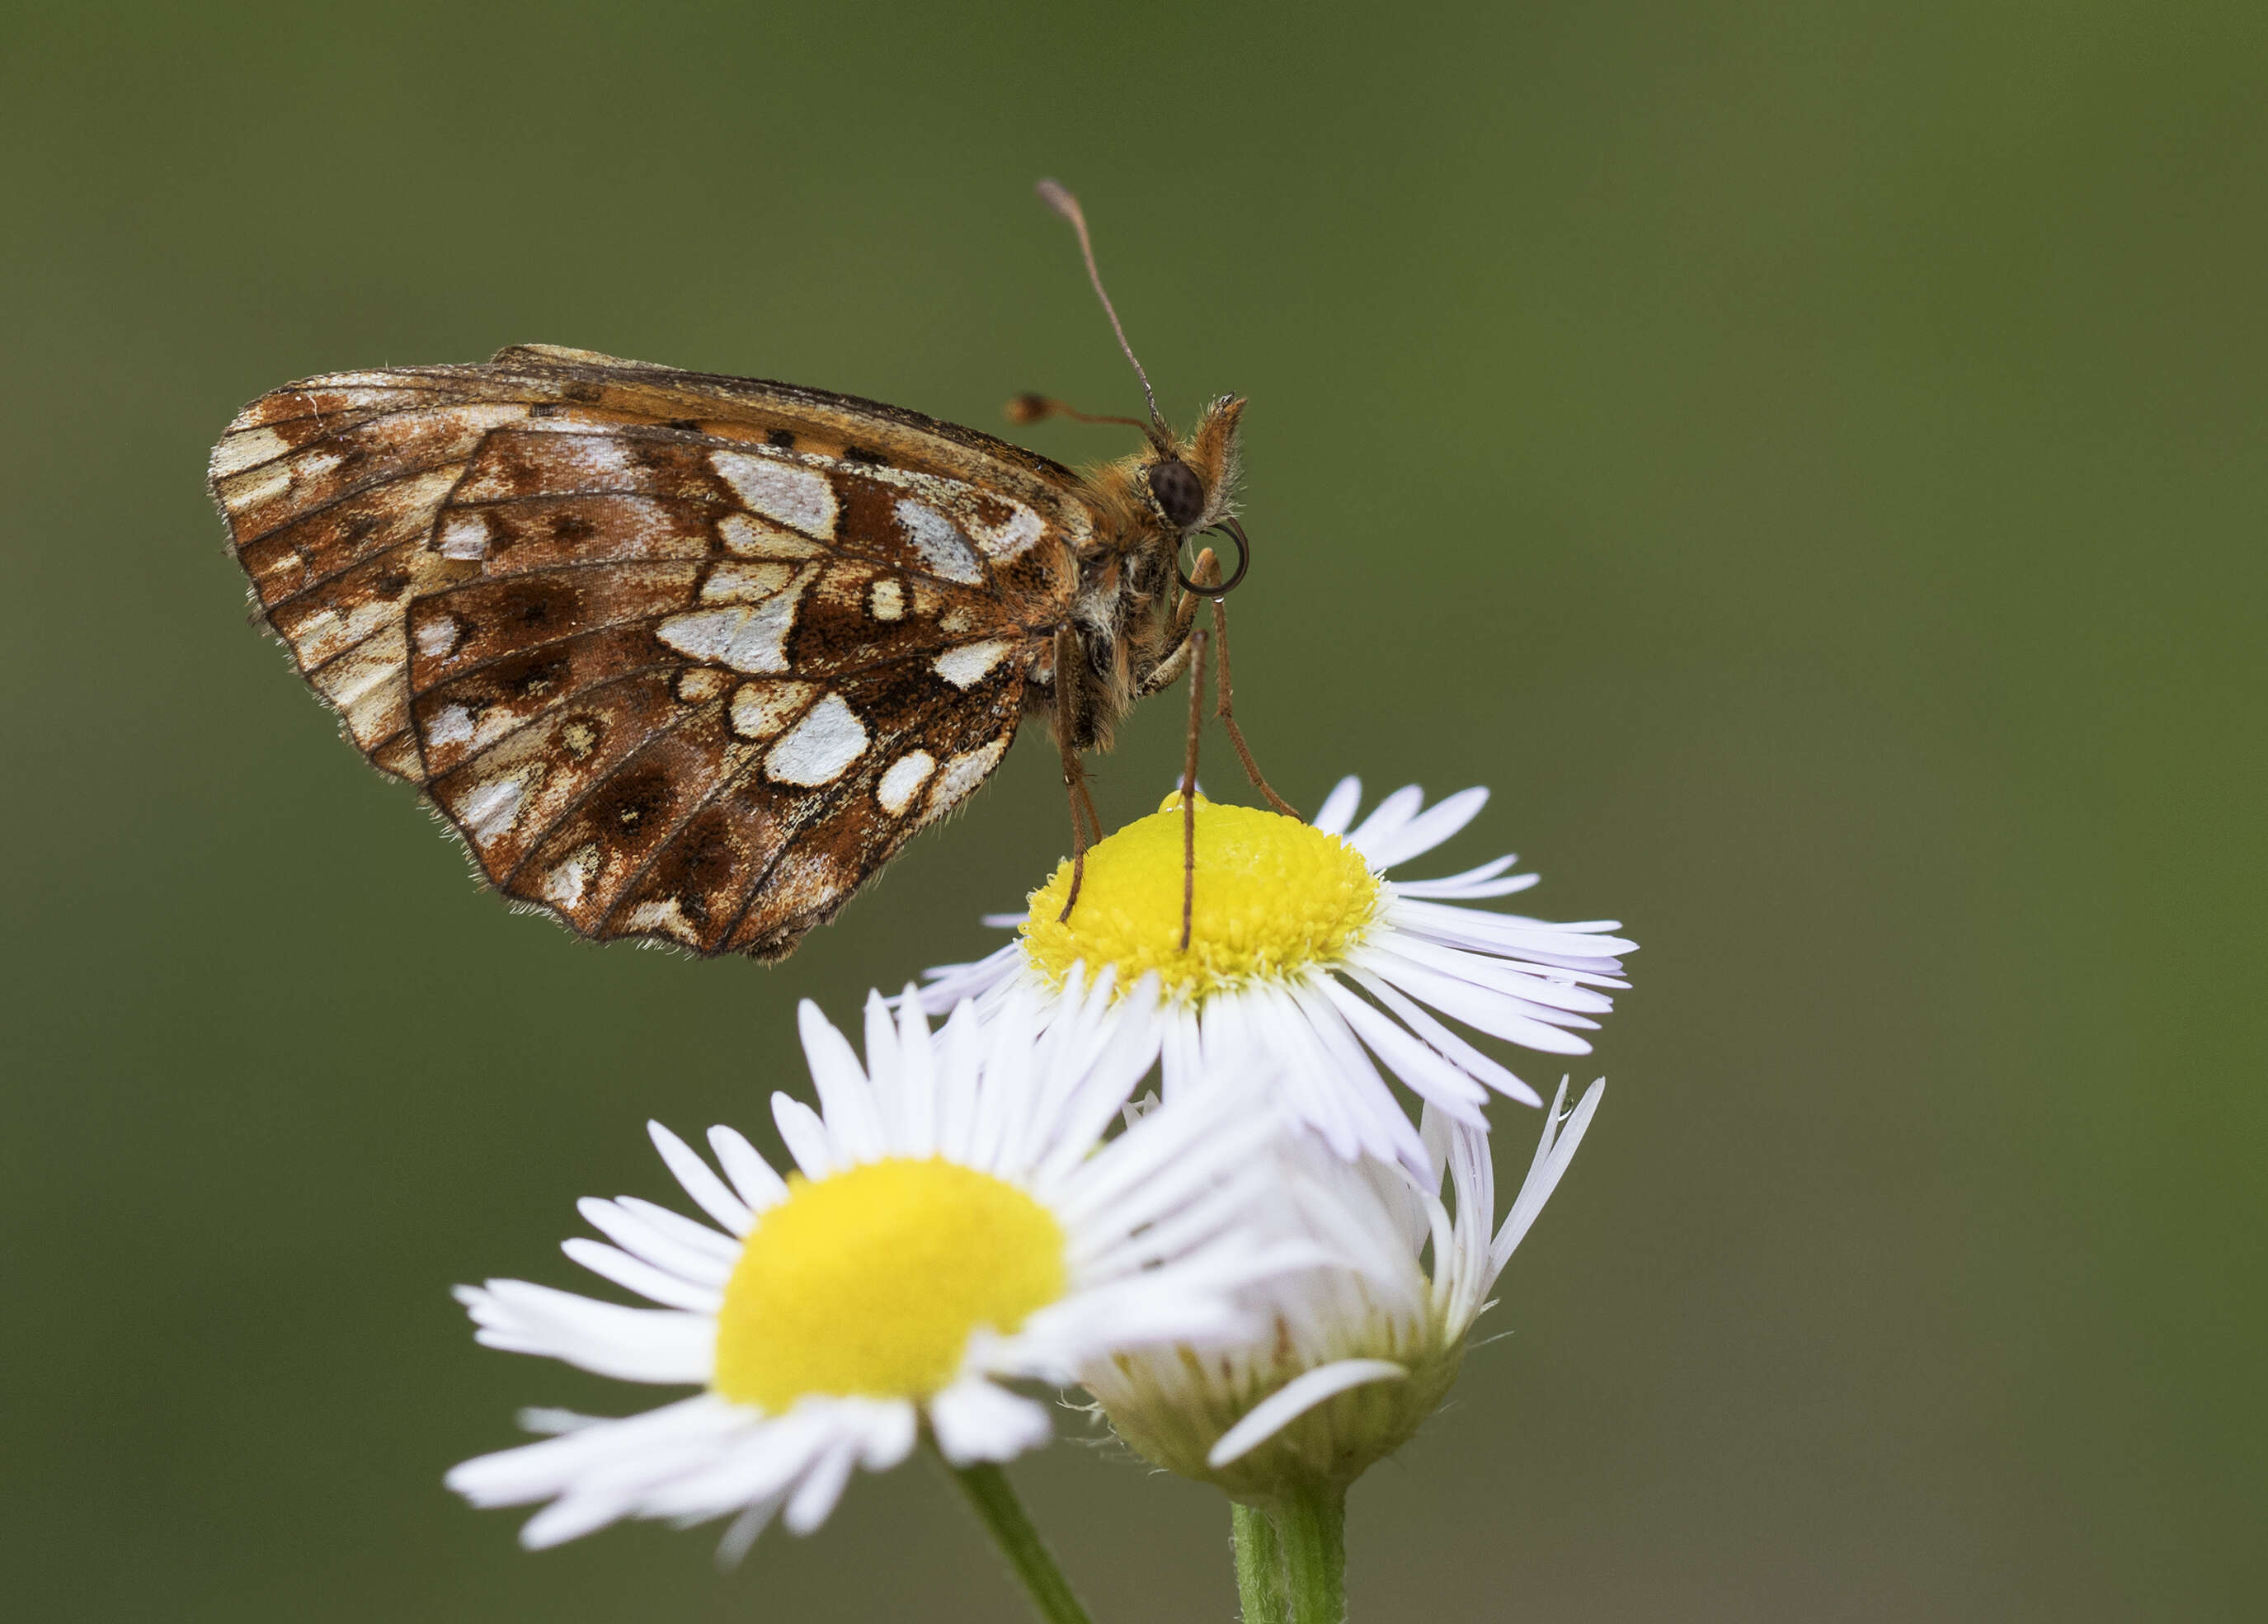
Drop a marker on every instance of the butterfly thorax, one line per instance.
(1121, 614)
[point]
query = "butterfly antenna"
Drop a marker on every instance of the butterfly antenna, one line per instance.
(1057, 197)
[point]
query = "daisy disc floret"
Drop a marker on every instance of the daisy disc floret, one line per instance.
(954, 1218)
(1278, 896)
(1303, 951)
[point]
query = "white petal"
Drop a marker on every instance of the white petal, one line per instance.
(1295, 1398)
(669, 1240)
(1543, 1177)
(1388, 820)
(751, 1175)
(636, 1274)
(1428, 1074)
(890, 1429)
(1338, 808)
(822, 1487)
(846, 1099)
(1516, 935)
(806, 1137)
(950, 983)
(571, 1517)
(915, 1132)
(709, 1191)
(1474, 1062)
(744, 1530)
(763, 1463)
(1422, 834)
(1491, 1012)
(634, 1344)
(541, 1470)
(975, 1421)
(1474, 891)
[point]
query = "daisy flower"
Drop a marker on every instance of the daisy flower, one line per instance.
(1358, 1352)
(1302, 951)
(950, 1224)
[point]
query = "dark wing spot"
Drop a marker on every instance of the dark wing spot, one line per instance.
(572, 527)
(630, 799)
(535, 675)
(866, 454)
(688, 425)
(783, 437)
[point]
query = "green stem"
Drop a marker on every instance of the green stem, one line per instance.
(1311, 1524)
(1259, 1566)
(997, 1507)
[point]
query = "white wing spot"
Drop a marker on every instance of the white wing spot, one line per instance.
(664, 916)
(904, 780)
(252, 489)
(940, 541)
(962, 774)
(241, 451)
(488, 810)
(566, 884)
(437, 636)
(753, 538)
(1008, 539)
(745, 583)
(700, 684)
(371, 665)
(465, 535)
(796, 497)
(754, 640)
(828, 740)
(453, 726)
(762, 709)
(804, 881)
(888, 601)
(965, 667)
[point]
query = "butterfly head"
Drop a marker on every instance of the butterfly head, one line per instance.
(1191, 483)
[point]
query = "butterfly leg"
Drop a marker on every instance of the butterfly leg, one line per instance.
(1195, 647)
(1169, 671)
(1074, 768)
(1226, 710)
(1208, 574)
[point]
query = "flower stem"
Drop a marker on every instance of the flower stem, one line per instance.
(1311, 1525)
(1259, 1566)
(997, 1507)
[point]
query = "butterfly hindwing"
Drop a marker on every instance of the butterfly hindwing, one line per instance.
(679, 657)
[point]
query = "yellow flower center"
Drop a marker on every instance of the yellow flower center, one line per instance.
(870, 1281)
(1273, 894)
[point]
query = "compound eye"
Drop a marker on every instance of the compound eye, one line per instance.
(1178, 493)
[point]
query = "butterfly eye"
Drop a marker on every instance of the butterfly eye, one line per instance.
(1178, 492)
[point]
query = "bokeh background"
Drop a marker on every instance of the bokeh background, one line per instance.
(1807, 458)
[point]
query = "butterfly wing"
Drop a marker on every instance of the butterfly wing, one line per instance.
(680, 657)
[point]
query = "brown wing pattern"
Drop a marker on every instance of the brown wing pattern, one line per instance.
(679, 657)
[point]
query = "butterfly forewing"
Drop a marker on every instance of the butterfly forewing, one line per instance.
(680, 657)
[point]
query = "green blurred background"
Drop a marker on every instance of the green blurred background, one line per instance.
(1807, 458)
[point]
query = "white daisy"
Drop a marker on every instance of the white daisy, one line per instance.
(1302, 951)
(951, 1222)
(1359, 1352)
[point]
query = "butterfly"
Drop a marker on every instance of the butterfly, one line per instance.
(689, 658)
